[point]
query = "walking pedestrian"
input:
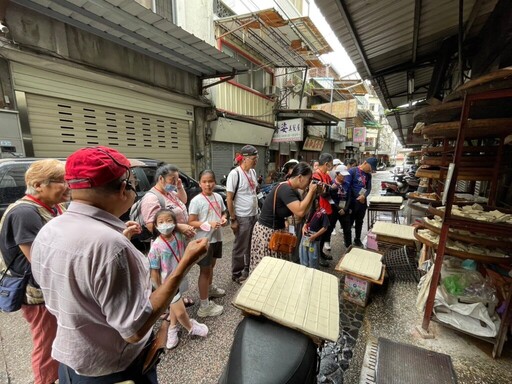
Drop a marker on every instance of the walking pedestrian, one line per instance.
(95, 282)
(242, 204)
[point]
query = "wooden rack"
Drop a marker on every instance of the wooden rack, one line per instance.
(463, 131)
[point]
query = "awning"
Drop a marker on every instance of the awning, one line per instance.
(310, 116)
(129, 24)
(287, 43)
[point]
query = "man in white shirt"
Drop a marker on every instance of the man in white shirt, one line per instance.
(242, 203)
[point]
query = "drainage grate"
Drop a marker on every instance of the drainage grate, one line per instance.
(369, 363)
(405, 364)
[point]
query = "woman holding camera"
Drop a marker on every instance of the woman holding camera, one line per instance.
(283, 201)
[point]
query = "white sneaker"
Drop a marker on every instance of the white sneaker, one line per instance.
(333, 232)
(172, 337)
(211, 309)
(215, 291)
(198, 329)
(327, 246)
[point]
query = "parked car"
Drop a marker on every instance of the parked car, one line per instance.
(145, 170)
(12, 179)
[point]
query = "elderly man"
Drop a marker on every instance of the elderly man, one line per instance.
(95, 282)
(242, 202)
(359, 184)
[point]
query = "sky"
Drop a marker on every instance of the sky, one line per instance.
(338, 59)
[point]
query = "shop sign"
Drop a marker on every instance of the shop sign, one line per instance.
(289, 130)
(313, 144)
(359, 135)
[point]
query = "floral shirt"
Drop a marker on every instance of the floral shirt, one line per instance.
(164, 255)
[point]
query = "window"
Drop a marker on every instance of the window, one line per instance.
(256, 77)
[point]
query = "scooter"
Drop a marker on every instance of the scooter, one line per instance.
(397, 187)
(266, 352)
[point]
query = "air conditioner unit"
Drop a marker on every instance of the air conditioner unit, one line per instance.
(272, 90)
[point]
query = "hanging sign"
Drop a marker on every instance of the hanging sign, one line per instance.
(359, 135)
(313, 144)
(289, 130)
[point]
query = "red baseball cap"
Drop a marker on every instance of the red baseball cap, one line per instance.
(94, 166)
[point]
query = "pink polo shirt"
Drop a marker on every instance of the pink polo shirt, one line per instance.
(97, 285)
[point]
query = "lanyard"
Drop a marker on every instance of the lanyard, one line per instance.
(170, 197)
(211, 205)
(249, 180)
(48, 208)
(363, 178)
(169, 246)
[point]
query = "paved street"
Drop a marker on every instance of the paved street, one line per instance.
(193, 361)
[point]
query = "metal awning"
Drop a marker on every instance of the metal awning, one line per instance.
(310, 116)
(282, 42)
(396, 44)
(129, 24)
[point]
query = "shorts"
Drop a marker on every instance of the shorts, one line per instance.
(214, 251)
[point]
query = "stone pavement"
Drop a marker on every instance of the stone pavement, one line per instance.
(390, 313)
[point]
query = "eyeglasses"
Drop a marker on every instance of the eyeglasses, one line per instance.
(57, 182)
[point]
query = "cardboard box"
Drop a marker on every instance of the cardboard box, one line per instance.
(356, 290)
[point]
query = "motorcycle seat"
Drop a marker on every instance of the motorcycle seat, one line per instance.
(266, 352)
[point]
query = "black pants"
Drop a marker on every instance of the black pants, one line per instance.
(345, 224)
(357, 217)
(68, 375)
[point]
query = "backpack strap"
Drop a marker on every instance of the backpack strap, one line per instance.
(237, 183)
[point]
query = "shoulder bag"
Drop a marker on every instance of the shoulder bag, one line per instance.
(12, 290)
(281, 241)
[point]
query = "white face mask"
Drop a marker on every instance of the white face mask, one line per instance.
(165, 229)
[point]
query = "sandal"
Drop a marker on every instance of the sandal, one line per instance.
(188, 302)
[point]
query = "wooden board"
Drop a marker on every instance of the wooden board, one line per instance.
(500, 79)
(471, 239)
(439, 113)
(463, 255)
(473, 174)
(465, 161)
(475, 128)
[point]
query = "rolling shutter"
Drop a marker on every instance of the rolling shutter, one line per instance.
(60, 127)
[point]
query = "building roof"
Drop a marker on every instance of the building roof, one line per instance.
(395, 44)
(127, 23)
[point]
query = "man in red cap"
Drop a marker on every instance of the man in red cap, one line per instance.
(95, 282)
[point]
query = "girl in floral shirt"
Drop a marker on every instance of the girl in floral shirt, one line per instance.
(165, 254)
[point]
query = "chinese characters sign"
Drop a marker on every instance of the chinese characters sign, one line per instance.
(359, 135)
(313, 144)
(289, 130)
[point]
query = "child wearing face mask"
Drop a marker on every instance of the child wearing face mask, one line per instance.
(165, 254)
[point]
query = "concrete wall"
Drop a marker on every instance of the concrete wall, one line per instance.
(32, 30)
(196, 17)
